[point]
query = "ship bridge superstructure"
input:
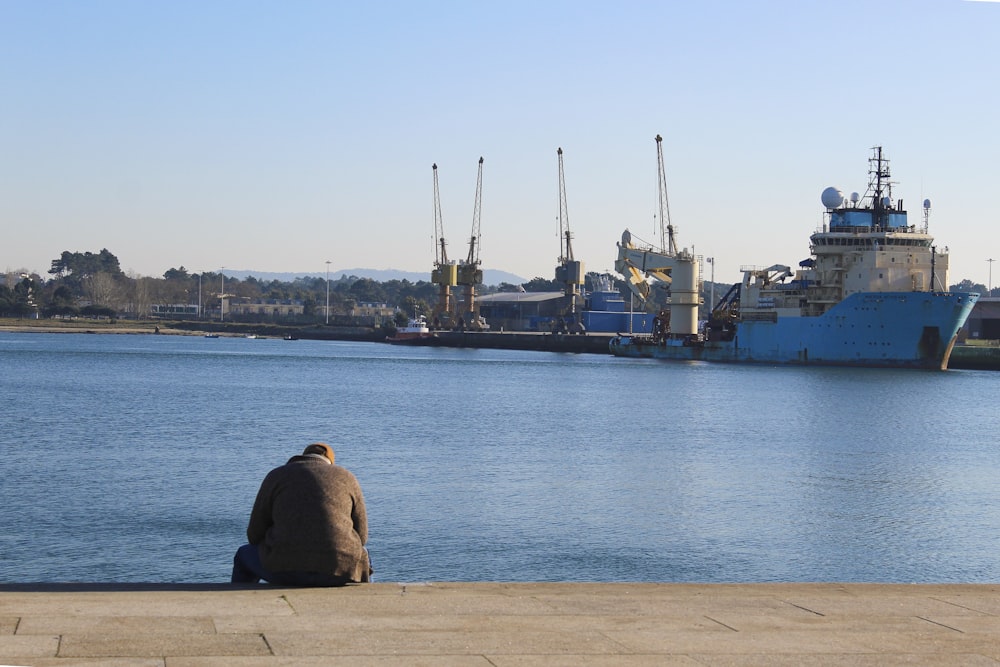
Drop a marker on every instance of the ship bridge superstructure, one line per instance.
(867, 244)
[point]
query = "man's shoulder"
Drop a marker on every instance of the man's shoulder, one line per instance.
(341, 476)
(314, 465)
(305, 466)
(341, 470)
(289, 468)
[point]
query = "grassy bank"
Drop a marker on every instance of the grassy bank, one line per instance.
(82, 325)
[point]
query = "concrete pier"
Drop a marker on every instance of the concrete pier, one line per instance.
(519, 624)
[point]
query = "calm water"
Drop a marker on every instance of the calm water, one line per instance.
(136, 458)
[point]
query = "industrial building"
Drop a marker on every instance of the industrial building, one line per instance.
(604, 311)
(984, 321)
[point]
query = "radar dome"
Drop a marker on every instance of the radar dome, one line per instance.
(855, 197)
(832, 197)
(927, 203)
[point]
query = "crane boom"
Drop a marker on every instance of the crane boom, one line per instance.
(445, 273)
(474, 241)
(679, 270)
(569, 272)
(667, 244)
(469, 273)
(440, 254)
(564, 233)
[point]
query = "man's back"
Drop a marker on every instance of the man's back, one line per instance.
(309, 516)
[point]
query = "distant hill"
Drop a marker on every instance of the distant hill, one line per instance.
(490, 276)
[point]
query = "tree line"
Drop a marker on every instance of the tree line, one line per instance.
(86, 284)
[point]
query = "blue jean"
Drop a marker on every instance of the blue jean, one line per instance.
(247, 569)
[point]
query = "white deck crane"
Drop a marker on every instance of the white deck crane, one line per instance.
(445, 273)
(469, 273)
(569, 272)
(678, 269)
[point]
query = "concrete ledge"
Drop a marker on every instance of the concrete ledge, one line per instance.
(179, 625)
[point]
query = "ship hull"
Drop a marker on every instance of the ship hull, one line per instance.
(885, 329)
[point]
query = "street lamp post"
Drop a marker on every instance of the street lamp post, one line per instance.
(327, 291)
(222, 295)
(199, 295)
(711, 287)
(631, 308)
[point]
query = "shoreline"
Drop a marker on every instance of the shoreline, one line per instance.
(187, 328)
(591, 343)
(963, 357)
(97, 328)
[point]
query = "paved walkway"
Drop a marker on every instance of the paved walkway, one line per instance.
(500, 624)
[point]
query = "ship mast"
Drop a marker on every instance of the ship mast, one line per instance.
(880, 187)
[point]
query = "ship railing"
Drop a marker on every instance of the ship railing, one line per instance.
(981, 342)
(758, 316)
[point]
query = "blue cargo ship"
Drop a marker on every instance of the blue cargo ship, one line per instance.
(873, 293)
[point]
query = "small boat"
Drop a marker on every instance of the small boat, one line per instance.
(415, 330)
(211, 335)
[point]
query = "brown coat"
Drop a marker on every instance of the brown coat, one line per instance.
(309, 516)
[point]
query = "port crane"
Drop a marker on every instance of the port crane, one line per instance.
(470, 274)
(445, 273)
(570, 271)
(678, 269)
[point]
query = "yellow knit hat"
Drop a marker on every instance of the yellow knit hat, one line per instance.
(320, 448)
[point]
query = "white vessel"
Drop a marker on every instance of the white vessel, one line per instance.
(415, 329)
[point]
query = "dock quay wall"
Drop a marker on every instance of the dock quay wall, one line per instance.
(520, 340)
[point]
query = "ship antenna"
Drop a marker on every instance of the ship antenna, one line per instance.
(933, 267)
(882, 186)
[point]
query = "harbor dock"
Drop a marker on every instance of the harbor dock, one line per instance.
(595, 343)
(500, 624)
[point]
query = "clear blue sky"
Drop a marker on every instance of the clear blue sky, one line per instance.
(275, 136)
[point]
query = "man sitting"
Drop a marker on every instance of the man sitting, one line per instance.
(308, 526)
